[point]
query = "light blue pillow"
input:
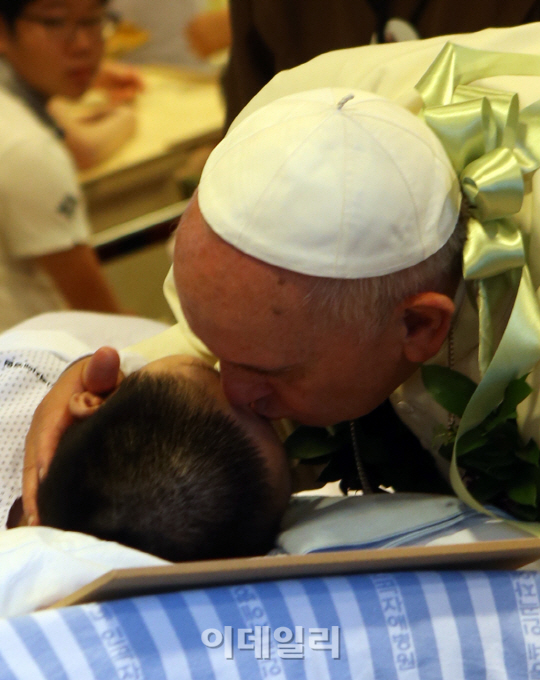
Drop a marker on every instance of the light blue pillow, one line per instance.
(322, 523)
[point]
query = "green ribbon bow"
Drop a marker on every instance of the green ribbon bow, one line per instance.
(492, 146)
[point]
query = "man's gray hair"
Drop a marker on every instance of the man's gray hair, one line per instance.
(368, 302)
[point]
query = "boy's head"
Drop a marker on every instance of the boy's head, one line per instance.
(54, 46)
(167, 466)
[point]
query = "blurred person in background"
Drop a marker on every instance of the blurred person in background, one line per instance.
(179, 32)
(97, 125)
(269, 36)
(47, 48)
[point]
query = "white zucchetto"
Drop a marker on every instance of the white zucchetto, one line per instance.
(333, 182)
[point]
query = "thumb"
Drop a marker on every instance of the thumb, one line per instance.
(102, 372)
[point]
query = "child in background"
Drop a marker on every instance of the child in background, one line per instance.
(46, 263)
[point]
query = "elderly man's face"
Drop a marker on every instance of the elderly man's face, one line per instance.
(275, 354)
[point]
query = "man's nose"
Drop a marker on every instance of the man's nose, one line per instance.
(242, 388)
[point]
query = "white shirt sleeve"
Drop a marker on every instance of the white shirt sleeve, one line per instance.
(42, 203)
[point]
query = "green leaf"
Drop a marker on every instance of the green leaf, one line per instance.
(311, 442)
(485, 488)
(524, 492)
(496, 470)
(525, 512)
(450, 389)
(506, 438)
(530, 453)
(442, 436)
(515, 393)
(473, 439)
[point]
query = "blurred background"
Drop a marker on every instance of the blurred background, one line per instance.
(174, 74)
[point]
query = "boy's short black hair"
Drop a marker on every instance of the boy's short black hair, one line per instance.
(11, 10)
(160, 468)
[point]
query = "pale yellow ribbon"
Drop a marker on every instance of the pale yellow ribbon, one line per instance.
(491, 145)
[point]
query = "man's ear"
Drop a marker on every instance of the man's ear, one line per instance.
(427, 318)
(84, 404)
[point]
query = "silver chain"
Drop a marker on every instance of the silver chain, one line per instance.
(366, 487)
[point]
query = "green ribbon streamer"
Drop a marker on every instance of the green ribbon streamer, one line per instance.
(509, 362)
(492, 248)
(491, 145)
(458, 65)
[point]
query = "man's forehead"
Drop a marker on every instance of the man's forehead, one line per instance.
(200, 251)
(246, 312)
(244, 329)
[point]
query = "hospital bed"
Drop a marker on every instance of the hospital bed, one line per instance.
(422, 625)
(429, 624)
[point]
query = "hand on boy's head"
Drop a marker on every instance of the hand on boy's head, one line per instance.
(99, 374)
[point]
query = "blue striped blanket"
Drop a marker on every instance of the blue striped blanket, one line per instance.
(404, 626)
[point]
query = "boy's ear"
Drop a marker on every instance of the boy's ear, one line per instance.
(84, 404)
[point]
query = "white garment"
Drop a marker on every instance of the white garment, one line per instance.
(40, 565)
(393, 69)
(41, 210)
(30, 362)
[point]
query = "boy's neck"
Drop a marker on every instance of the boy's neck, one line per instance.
(13, 83)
